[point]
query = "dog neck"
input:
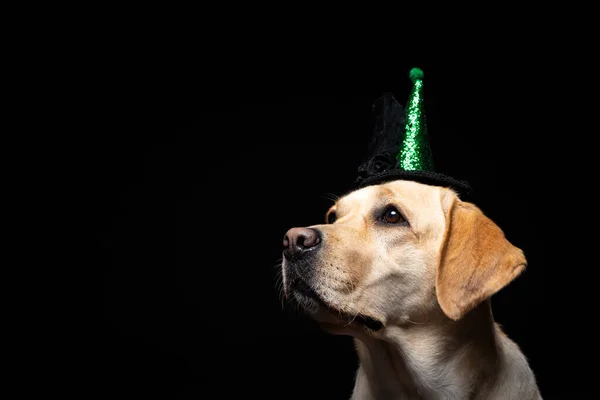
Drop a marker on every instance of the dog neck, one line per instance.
(435, 358)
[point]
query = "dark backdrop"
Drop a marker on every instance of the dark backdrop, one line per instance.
(198, 188)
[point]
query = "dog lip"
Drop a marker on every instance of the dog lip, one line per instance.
(306, 253)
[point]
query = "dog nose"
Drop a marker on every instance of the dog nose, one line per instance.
(297, 241)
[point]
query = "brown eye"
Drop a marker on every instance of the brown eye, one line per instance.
(331, 217)
(392, 216)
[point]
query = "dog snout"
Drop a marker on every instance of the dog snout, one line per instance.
(298, 241)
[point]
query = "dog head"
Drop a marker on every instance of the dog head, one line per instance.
(397, 252)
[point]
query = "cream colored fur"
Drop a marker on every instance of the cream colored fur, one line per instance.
(428, 281)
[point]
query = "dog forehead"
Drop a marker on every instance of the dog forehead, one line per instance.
(361, 200)
(408, 192)
(414, 193)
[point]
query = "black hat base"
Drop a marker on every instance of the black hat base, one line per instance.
(425, 177)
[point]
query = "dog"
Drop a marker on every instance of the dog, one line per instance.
(408, 269)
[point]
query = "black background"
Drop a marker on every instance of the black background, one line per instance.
(199, 184)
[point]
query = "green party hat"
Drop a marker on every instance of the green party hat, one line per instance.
(415, 154)
(399, 147)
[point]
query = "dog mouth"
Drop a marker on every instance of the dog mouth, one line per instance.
(300, 286)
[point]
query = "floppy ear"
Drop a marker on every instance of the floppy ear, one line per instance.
(476, 261)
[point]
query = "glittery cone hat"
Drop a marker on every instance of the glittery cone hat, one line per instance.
(399, 147)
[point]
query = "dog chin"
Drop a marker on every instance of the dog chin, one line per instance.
(329, 317)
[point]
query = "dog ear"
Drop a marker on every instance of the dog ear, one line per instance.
(476, 261)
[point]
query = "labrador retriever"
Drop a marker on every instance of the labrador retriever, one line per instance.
(407, 270)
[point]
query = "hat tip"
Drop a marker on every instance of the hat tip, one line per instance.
(416, 73)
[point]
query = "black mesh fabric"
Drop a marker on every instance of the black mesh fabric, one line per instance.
(381, 164)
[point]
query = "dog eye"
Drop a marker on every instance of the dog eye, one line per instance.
(331, 217)
(392, 216)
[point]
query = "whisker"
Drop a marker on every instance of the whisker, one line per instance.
(416, 323)
(278, 262)
(331, 197)
(352, 320)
